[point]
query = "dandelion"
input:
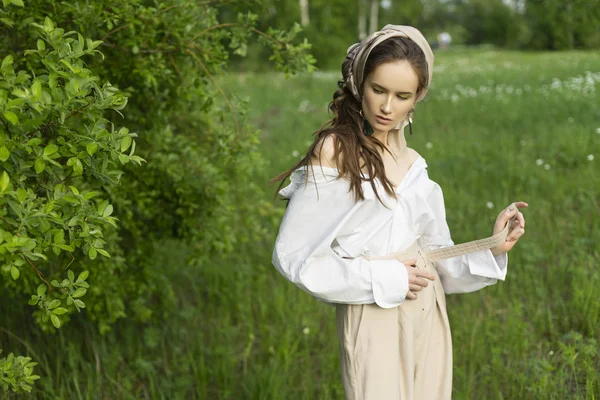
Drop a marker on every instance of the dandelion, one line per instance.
(305, 106)
(539, 162)
(489, 205)
(546, 167)
(306, 330)
(295, 153)
(590, 157)
(429, 145)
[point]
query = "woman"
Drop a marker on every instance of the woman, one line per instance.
(362, 209)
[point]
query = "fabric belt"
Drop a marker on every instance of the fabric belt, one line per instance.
(424, 257)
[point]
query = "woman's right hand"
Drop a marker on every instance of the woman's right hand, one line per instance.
(417, 279)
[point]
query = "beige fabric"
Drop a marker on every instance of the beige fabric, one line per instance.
(404, 352)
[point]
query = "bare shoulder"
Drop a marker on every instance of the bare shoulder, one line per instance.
(413, 155)
(324, 153)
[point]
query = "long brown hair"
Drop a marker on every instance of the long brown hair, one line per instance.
(352, 146)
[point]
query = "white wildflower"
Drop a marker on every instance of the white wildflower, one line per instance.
(489, 205)
(429, 145)
(539, 162)
(306, 330)
(454, 97)
(546, 167)
(590, 157)
(598, 131)
(305, 106)
(295, 153)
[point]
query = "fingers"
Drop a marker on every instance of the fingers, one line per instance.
(516, 232)
(411, 296)
(512, 211)
(425, 274)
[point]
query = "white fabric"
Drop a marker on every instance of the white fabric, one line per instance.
(326, 236)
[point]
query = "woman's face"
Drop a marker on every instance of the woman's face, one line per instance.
(389, 93)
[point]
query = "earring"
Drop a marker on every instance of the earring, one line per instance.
(410, 121)
(367, 128)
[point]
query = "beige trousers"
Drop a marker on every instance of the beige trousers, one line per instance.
(405, 352)
(400, 353)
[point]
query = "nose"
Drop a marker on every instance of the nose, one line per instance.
(386, 107)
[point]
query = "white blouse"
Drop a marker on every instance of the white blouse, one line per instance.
(326, 238)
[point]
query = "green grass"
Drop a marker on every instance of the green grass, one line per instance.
(242, 332)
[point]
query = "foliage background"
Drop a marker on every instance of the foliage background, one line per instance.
(188, 305)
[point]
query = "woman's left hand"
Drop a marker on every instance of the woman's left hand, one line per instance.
(515, 231)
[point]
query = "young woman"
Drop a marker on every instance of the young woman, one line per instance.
(363, 222)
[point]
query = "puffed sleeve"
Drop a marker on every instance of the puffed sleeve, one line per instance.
(466, 273)
(320, 242)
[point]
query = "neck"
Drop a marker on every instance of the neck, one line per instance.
(393, 139)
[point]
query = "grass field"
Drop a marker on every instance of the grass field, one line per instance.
(496, 127)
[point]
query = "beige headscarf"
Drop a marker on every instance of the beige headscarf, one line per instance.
(359, 52)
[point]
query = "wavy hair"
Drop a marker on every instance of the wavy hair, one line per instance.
(356, 154)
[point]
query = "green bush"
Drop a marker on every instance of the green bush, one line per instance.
(71, 189)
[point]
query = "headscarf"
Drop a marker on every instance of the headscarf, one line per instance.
(359, 52)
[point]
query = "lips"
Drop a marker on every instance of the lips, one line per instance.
(383, 121)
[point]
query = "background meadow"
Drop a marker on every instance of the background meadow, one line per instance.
(496, 127)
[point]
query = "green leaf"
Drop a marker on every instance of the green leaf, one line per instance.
(4, 153)
(60, 311)
(17, 2)
(79, 303)
(6, 63)
(125, 143)
(48, 25)
(40, 166)
(53, 304)
(14, 272)
(79, 292)
(83, 276)
(71, 275)
(103, 252)
(50, 149)
(36, 89)
(41, 45)
(93, 253)
(4, 181)
(74, 190)
(21, 195)
(124, 159)
(41, 289)
(55, 320)
(108, 210)
(11, 116)
(91, 148)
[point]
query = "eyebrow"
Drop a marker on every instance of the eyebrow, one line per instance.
(377, 84)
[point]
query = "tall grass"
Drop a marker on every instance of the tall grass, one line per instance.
(496, 127)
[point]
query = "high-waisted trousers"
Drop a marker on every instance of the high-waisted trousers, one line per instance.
(399, 353)
(404, 352)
